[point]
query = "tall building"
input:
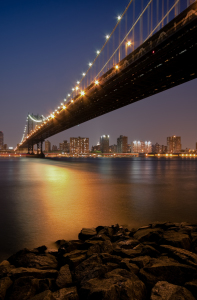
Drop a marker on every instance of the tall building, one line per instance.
(113, 148)
(54, 148)
(47, 146)
(66, 146)
(142, 147)
(122, 143)
(79, 145)
(174, 144)
(104, 143)
(1, 140)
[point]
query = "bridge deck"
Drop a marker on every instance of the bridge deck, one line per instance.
(146, 73)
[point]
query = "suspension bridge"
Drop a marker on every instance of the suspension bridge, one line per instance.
(152, 48)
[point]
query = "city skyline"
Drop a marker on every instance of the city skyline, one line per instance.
(40, 62)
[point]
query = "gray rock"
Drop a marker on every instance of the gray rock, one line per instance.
(117, 284)
(24, 288)
(182, 255)
(5, 283)
(64, 278)
(28, 259)
(5, 267)
(36, 273)
(150, 234)
(141, 261)
(192, 287)
(87, 233)
(166, 269)
(46, 295)
(167, 291)
(74, 258)
(66, 294)
(176, 239)
(90, 268)
(128, 244)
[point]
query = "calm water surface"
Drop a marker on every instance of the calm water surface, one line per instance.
(45, 200)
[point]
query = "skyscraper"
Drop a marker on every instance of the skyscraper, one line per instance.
(122, 143)
(142, 147)
(174, 144)
(1, 140)
(104, 143)
(79, 145)
(47, 146)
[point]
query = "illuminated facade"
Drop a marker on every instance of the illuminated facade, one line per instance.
(79, 145)
(142, 147)
(104, 143)
(174, 144)
(1, 140)
(122, 143)
(47, 146)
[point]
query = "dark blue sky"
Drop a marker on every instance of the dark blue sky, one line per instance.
(45, 45)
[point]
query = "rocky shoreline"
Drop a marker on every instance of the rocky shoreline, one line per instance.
(157, 262)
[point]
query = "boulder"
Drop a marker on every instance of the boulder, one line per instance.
(27, 259)
(46, 295)
(5, 283)
(36, 273)
(166, 269)
(164, 290)
(89, 268)
(192, 287)
(149, 234)
(64, 278)
(182, 255)
(24, 288)
(141, 261)
(108, 258)
(5, 267)
(176, 239)
(66, 294)
(74, 258)
(127, 265)
(128, 244)
(87, 233)
(117, 284)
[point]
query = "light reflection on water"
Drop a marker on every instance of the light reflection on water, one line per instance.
(45, 200)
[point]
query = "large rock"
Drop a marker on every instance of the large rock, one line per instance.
(46, 295)
(64, 278)
(87, 233)
(127, 265)
(192, 287)
(117, 284)
(90, 268)
(5, 283)
(181, 255)
(66, 294)
(128, 244)
(149, 234)
(177, 239)
(167, 291)
(27, 259)
(74, 258)
(165, 269)
(36, 273)
(5, 267)
(24, 288)
(141, 261)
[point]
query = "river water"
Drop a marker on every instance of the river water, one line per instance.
(43, 200)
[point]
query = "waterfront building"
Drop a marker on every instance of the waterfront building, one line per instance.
(79, 145)
(66, 146)
(1, 140)
(142, 147)
(113, 148)
(122, 143)
(104, 143)
(96, 148)
(174, 144)
(47, 146)
(60, 146)
(54, 148)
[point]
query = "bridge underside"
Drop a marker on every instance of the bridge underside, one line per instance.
(162, 66)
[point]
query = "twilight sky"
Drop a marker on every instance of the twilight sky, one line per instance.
(45, 45)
